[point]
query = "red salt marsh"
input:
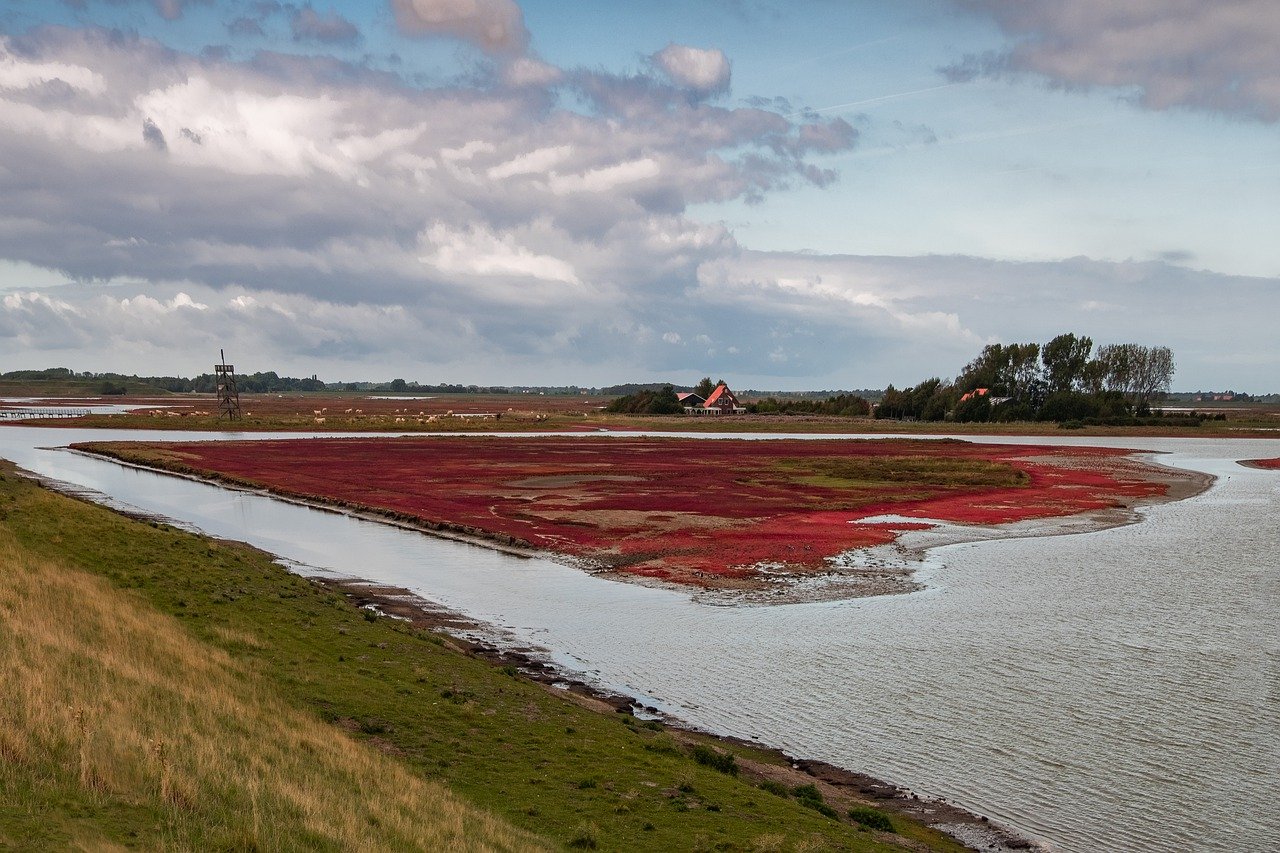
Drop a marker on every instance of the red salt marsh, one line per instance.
(1270, 464)
(703, 512)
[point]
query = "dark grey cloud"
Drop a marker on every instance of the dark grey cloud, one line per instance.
(245, 26)
(483, 205)
(319, 213)
(1217, 56)
(307, 24)
(153, 136)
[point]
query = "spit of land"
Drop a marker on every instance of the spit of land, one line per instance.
(736, 515)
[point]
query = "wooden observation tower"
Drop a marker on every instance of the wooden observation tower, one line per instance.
(228, 396)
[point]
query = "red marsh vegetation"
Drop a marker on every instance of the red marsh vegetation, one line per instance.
(705, 512)
(1270, 464)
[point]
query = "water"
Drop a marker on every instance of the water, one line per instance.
(1116, 690)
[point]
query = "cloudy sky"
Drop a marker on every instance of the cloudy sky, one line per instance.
(821, 194)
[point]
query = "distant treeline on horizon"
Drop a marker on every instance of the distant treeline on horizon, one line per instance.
(270, 382)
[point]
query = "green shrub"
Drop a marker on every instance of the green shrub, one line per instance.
(872, 818)
(807, 792)
(584, 837)
(715, 759)
(776, 788)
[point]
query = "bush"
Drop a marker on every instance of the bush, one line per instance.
(872, 818)
(974, 410)
(1012, 411)
(776, 788)
(715, 759)
(807, 792)
(584, 837)
(660, 402)
(1064, 406)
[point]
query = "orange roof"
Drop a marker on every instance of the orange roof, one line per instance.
(976, 392)
(720, 391)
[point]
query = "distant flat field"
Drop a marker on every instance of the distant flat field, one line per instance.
(709, 513)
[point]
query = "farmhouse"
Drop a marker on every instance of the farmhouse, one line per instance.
(720, 402)
(688, 399)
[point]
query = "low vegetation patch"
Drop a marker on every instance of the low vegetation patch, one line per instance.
(871, 817)
(662, 507)
(166, 690)
(715, 759)
(118, 727)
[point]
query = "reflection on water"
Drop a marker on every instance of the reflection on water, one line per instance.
(1111, 690)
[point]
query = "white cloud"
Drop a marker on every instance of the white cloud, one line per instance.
(605, 178)
(327, 214)
(702, 70)
(18, 73)
(527, 71)
(481, 252)
(1219, 56)
(495, 26)
(537, 162)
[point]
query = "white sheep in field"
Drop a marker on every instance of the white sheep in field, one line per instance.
(399, 420)
(317, 412)
(320, 420)
(347, 412)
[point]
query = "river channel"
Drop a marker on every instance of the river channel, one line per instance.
(1112, 690)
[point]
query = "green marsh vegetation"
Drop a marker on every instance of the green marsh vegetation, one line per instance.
(168, 690)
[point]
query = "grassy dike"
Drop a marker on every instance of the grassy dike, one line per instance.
(167, 690)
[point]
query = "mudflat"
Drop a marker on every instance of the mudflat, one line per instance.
(733, 515)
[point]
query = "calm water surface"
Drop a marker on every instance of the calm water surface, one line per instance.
(1116, 690)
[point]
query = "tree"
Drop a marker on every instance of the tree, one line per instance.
(976, 409)
(1153, 374)
(1064, 360)
(1008, 370)
(704, 388)
(986, 371)
(1139, 373)
(398, 384)
(1023, 371)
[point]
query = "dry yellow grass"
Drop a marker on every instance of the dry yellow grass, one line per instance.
(110, 703)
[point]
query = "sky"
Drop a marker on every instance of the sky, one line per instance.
(788, 195)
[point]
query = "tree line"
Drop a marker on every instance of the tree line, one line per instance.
(1064, 380)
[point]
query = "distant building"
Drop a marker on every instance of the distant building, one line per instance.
(689, 399)
(721, 402)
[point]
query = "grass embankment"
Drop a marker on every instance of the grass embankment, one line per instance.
(166, 690)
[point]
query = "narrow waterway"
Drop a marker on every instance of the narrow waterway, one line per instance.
(1115, 690)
